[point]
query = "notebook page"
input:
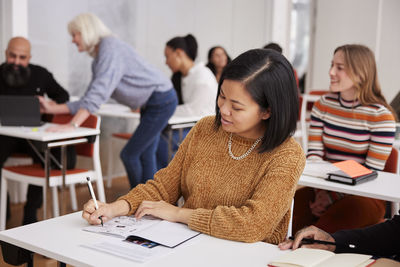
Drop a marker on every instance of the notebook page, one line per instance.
(304, 257)
(168, 233)
(123, 226)
(346, 260)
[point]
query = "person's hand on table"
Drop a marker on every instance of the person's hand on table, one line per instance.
(163, 210)
(46, 105)
(309, 232)
(60, 128)
(106, 211)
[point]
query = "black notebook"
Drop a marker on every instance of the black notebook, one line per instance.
(342, 177)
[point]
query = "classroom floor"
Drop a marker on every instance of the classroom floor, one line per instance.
(120, 186)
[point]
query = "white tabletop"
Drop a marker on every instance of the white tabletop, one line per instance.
(121, 111)
(60, 238)
(386, 186)
(39, 133)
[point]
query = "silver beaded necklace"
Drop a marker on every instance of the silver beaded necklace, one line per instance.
(245, 154)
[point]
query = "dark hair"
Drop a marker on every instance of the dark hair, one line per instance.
(189, 45)
(269, 78)
(273, 46)
(211, 65)
(177, 83)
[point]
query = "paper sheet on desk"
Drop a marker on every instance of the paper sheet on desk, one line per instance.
(129, 251)
(35, 129)
(319, 169)
(159, 231)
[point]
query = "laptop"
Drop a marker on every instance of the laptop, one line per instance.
(19, 111)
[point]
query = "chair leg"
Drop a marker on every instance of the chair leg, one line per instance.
(72, 193)
(56, 208)
(110, 162)
(44, 190)
(22, 191)
(3, 204)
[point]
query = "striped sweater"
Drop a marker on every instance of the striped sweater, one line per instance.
(342, 130)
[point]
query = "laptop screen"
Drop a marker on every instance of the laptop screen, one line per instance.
(19, 110)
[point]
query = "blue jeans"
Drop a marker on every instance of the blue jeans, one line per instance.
(162, 150)
(139, 154)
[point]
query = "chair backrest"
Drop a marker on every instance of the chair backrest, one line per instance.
(315, 92)
(93, 121)
(392, 162)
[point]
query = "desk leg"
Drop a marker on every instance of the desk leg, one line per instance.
(47, 176)
(63, 171)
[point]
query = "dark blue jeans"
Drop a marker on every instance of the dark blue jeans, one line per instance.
(139, 154)
(162, 150)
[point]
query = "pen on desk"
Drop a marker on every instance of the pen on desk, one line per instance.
(307, 241)
(89, 183)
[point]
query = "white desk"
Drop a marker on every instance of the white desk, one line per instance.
(49, 140)
(38, 133)
(175, 122)
(60, 238)
(121, 111)
(386, 187)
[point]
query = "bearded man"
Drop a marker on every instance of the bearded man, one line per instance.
(19, 77)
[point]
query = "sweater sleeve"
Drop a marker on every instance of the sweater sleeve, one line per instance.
(166, 183)
(315, 144)
(378, 240)
(383, 130)
(263, 212)
(108, 69)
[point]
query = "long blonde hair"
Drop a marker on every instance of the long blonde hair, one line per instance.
(360, 66)
(91, 28)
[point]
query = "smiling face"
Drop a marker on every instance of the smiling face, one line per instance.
(240, 114)
(77, 40)
(340, 81)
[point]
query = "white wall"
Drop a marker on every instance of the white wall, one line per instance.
(13, 22)
(389, 52)
(236, 25)
(373, 23)
(147, 25)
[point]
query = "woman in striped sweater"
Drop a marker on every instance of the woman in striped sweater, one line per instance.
(355, 122)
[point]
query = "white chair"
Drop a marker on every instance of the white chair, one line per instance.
(289, 231)
(306, 103)
(35, 174)
(16, 190)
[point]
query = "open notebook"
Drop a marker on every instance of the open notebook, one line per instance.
(307, 257)
(140, 240)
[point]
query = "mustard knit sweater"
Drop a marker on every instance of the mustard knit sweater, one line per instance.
(244, 200)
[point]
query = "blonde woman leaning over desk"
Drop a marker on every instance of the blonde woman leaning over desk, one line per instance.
(238, 170)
